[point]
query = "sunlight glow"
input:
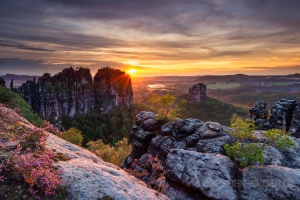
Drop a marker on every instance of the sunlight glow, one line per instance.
(131, 71)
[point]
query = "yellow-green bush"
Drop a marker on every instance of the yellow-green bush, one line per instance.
(115, 155)
(73, 135)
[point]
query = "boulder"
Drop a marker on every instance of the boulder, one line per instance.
(207, 130)
(214, 145)
(209, 173)
(148, 121)
(186, 127)
(270, 182)
(141, 134)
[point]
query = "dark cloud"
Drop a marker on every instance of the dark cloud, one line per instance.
(157, 30)
(9, 43)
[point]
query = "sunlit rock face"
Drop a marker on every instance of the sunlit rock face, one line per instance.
(74, 91)
(112, 88)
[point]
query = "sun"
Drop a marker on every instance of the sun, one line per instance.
(131, 71)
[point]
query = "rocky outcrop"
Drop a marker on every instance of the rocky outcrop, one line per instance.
(84, 175)
(259, 113)
(285, 115)
(74, 91)
(197, 93)
(2, 82)
(192, 151)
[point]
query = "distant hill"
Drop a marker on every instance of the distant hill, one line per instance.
(18, 79)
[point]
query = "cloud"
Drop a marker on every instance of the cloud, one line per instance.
(9, 43)
(104, 32)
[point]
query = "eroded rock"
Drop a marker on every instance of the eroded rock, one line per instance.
(209, 173)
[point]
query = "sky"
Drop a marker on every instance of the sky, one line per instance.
(155, 37)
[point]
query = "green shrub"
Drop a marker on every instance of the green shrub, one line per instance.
(73, 135)
(250, 144)
(115, 155)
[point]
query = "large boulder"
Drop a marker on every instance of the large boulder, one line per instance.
(206, 131)
(148, 121)
(270, 182)
(208, 173)
(214, 145)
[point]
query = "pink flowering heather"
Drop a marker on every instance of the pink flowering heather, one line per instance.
(37, 170)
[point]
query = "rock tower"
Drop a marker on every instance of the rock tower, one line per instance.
(197, 93)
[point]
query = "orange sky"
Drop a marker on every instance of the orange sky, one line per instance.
(192, 37)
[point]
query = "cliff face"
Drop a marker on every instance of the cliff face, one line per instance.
(74, 91)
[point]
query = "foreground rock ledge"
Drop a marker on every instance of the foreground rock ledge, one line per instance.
(270, 182)
(209, 173)
(86, 176)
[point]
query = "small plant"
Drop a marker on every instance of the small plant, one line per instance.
(250, 144)
(150, 171)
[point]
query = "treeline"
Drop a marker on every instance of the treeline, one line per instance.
(210, 110)
(110, 127)
(247, 97)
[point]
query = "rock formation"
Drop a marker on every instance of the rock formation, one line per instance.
(192, 151)
(84, 175)
(197, 93)
(74, 91)
(2, 82)
(260, 114)
(281, 113)
(285, 115)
